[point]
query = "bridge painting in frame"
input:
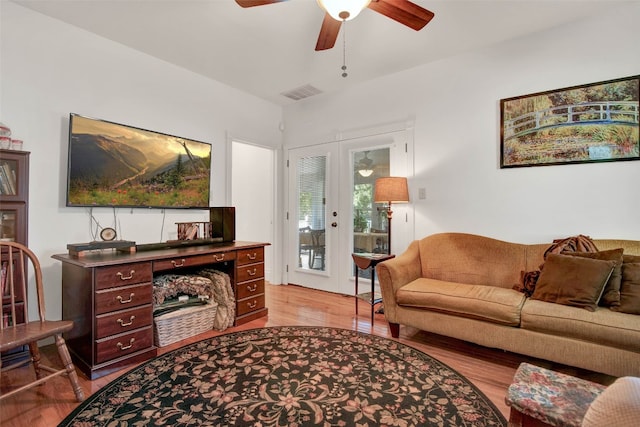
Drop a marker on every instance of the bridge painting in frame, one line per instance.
(595, 122)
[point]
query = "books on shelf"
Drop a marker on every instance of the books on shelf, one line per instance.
(4, 287)
(7, 179)
(3, 279)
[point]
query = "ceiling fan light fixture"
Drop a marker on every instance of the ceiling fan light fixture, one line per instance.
(343, 10)
(364, 166)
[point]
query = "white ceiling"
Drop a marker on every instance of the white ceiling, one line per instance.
(268, 50)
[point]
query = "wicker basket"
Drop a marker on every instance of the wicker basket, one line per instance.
(184, 323)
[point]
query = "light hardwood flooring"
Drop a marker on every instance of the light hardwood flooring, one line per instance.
(491, 371)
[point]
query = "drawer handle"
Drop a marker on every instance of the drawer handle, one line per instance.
(175, 264)
(252, 273)
(252, 288)
(126, 347)
(129, 323)
(218, 257)
(253, 304)
(125, 301)
(123, 277)
(255, 255)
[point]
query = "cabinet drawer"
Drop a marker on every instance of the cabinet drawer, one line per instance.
(124, 297)
(123, 321)
(192, 261)
(249, 289)
(250, 256)
(124, 344)
(250, 304)
(249, 272)
(125, 274)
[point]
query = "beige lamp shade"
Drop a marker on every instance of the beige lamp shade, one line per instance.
(391, 189)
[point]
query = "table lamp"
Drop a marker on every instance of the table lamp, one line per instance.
(390, 189)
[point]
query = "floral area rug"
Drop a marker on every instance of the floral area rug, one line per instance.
(290, 376)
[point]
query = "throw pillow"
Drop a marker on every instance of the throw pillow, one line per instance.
(527, 283)
(611, 294)
(630, 287)
(567, 245)
(574, 281)
(579, 243)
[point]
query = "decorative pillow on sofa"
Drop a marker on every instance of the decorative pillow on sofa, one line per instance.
(611, 294)
(575, 281)
(630, 286)
(568, 245)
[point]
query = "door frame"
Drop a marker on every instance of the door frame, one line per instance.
(400, 140)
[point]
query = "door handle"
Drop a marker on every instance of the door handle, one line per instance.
(334, 224)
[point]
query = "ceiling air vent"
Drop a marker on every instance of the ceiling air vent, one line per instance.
(301, 92)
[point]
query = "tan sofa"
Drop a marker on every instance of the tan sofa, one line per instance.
(461, 285)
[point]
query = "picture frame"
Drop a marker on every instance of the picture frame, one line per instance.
(596, 122)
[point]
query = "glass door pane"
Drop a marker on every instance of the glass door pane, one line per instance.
(8, 177)
(311, 194)
(10, 227)
(369, 218)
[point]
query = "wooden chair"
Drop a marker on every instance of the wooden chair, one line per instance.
(304, 243)
(317, 248)
(15, 329)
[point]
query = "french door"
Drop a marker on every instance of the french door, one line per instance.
(314, 216)
(331, 213)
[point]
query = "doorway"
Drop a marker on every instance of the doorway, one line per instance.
(253, 195)
(331, 213)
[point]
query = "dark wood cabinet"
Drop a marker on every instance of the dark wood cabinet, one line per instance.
(249, 286)
(109, 296)
(14, 210)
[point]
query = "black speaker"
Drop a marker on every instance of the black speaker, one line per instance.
(223, 223)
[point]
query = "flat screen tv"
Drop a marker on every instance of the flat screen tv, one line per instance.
(115, 165)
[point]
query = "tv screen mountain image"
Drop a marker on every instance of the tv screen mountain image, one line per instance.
(111, 164)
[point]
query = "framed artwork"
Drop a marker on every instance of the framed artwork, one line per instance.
(596, 122)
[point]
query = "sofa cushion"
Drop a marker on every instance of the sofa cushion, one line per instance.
(630, 288)
(611, 294)
(489, 303)
(602, 326)
(574, 281)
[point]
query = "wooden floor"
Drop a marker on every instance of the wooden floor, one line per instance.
(490, 370)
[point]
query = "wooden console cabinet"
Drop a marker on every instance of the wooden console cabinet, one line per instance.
(108, 295)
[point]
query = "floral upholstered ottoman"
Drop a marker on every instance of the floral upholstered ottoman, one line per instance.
(540, 397)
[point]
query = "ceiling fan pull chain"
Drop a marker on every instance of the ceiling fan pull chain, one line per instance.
(344, 48)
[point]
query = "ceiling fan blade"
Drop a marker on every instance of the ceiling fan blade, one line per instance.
(328, 33)
(403, 11)
(252, 3)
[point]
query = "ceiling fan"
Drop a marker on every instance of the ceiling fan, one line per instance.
(338, 11)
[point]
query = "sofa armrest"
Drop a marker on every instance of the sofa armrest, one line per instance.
(395, 273)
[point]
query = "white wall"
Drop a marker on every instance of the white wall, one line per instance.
(454, 105)
(49, 69)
